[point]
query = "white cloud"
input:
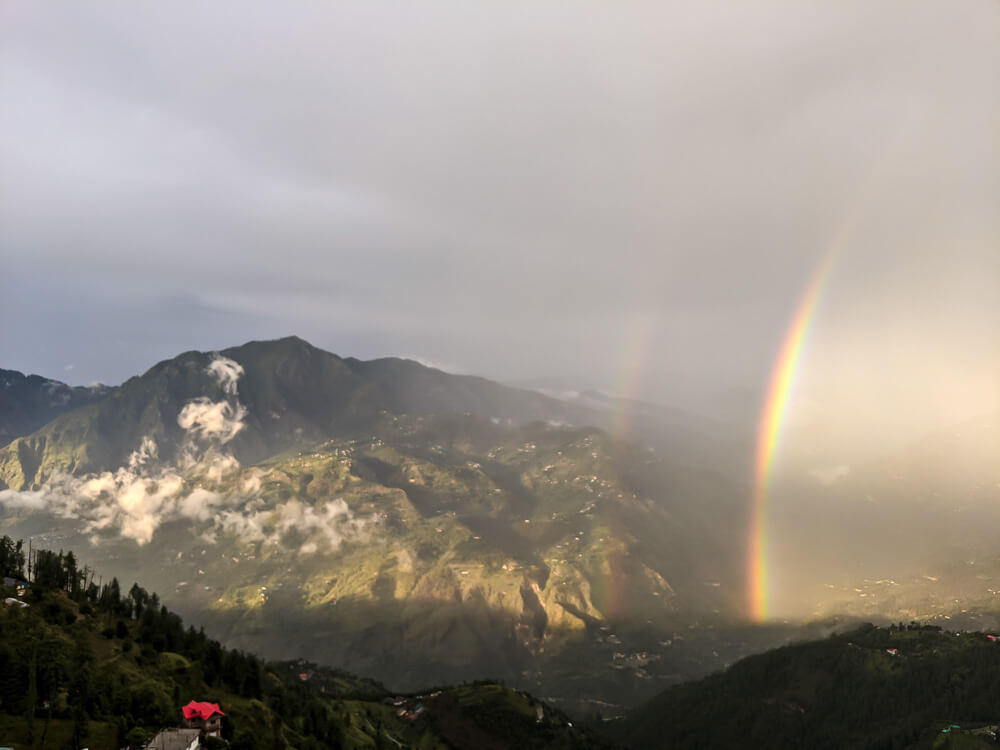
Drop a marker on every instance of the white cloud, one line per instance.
(250, 485)
(228, 373)
(132, 501)
(217, 466)
(200, 505)
(208, 419)
(139, 496)
(30, 499)
(830, 475)
(147, 452)
(219, 420)
(325, 525)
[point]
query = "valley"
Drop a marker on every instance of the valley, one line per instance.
(422, 528)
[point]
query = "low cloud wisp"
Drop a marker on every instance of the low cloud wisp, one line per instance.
(134, 500)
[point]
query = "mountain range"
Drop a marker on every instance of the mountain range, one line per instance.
(416, 526)
(399, 521)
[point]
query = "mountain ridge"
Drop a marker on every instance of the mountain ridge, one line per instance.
(908, 686)
(318, 395)
(29, 402)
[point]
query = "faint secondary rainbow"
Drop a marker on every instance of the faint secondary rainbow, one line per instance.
(610, 587)
(634, 353)
(779, 392)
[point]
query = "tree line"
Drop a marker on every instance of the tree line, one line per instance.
(48, 667)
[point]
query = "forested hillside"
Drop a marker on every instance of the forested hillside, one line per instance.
(104, 667)
(905, 686)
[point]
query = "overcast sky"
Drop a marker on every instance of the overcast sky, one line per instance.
(507, 188)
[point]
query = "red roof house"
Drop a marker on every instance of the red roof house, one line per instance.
(204, 716)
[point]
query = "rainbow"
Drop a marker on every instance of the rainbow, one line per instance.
(779, 393)
(786, 370)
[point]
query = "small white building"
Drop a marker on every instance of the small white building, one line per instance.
(175, 739)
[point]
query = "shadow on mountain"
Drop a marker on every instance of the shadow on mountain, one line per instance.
(414, 644)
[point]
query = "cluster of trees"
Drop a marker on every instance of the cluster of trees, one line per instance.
(11, 558)
(55, 570)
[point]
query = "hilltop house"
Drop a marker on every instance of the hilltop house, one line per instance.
(15, 583)
(206, 717)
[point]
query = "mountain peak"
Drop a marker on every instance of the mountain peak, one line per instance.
(268, 395)
(285, 343)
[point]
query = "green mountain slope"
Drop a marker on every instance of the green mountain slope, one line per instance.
(28, 402)
(404, 523)
(443, 549)
(82, 664)
(896, 687)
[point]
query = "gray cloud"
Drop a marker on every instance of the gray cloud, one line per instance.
(508, 187)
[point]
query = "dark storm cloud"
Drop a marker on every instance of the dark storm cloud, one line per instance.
(507, 187)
